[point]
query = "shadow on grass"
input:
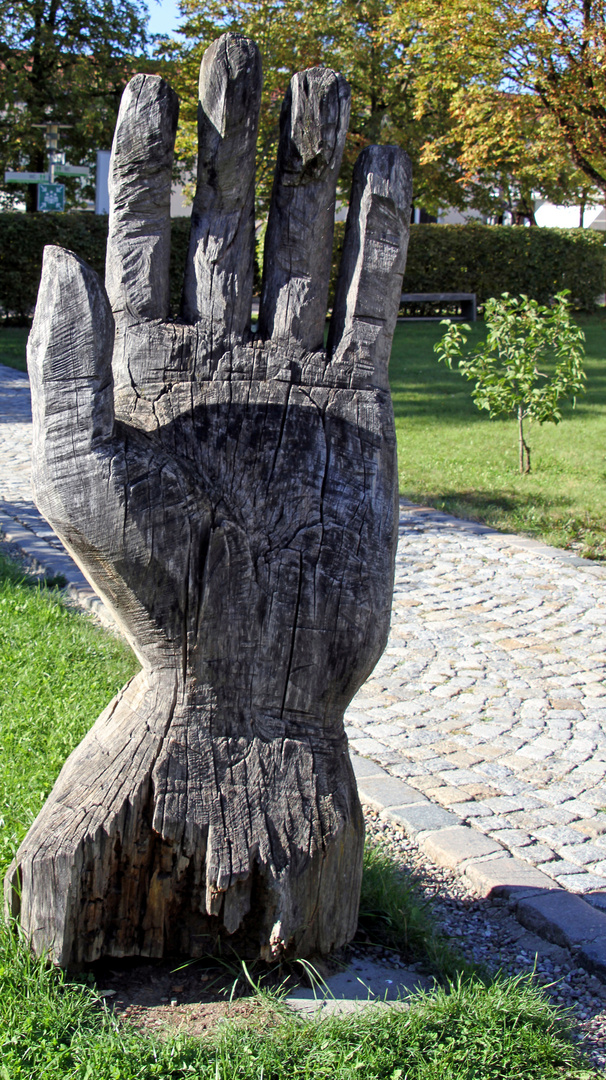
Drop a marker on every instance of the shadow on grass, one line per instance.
(532, 514)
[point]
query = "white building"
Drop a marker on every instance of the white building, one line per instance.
(547, 216)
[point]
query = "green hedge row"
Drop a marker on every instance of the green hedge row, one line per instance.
(492, 259)
(24, 236)
(485, 259)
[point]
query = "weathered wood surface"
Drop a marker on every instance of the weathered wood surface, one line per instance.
(232, 498)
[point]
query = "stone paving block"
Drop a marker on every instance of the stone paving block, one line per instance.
(557, 836)
(369, 747)
(507, 877)
(502, 804)
(563, 918)
(581, 854)
(555, 815)
(419, 819)
(473, 809)
(457, 845)
(385, 791)
(511, 837)
(446, 795)
(537, 854)
(578, 883)
(579, 807)
(365, 767)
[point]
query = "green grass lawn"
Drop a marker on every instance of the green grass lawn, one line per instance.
(455, 458)
(12, 346)
(452, 456)
(62, 670)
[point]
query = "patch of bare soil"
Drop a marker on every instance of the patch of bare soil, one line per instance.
(165, 998)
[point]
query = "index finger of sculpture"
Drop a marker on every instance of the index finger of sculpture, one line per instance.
(69, 360)
(138, 243)
(219, 271)
(372, 265)
(298, 242)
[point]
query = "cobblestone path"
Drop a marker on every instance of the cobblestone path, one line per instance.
(490, 697)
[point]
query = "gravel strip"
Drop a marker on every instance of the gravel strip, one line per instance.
(487, 933)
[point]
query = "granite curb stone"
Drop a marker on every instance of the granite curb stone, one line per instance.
(540, 905)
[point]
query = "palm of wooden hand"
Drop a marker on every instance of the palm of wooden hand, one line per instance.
(232, 498)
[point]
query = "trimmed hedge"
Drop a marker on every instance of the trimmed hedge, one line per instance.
(24, 236)
(492, 259)
(485, 259)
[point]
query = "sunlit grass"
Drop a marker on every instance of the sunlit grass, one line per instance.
(454, 457)
(58, 671)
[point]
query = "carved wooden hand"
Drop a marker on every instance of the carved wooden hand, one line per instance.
(231, 497)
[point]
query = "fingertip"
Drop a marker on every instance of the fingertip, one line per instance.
(69, 350)
(138, 244)
(298, 241)
(219, 270)
(369, 285)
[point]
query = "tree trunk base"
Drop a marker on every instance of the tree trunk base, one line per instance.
(151, 846)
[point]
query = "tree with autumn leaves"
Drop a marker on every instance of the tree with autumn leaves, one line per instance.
(495, 102)
(350, 36)
(526, 81)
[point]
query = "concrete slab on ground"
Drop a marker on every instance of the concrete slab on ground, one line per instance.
(363, 983)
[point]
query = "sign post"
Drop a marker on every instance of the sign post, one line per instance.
(25, 177)
(72, 170)
(51, 196)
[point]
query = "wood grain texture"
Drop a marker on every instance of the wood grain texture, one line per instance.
(138, 245)
(219, 273)
(235, 506)
(368, 290)
(298, 241)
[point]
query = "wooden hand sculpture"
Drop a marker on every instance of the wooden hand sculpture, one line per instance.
(232, 498)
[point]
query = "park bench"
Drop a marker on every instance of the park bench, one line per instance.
(416, 301)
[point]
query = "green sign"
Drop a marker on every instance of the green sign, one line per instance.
(72, 170)
(51, 196)
(25, 177)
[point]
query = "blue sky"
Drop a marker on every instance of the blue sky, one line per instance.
(163, 16)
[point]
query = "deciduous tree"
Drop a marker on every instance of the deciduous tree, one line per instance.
(523, 337)
(527, 90)
(66, 61)
(348, 36)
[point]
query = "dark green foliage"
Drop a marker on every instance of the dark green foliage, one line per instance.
(24, 236)
(492, 259)
(22, 241)
(179, 234)
(485, 259)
